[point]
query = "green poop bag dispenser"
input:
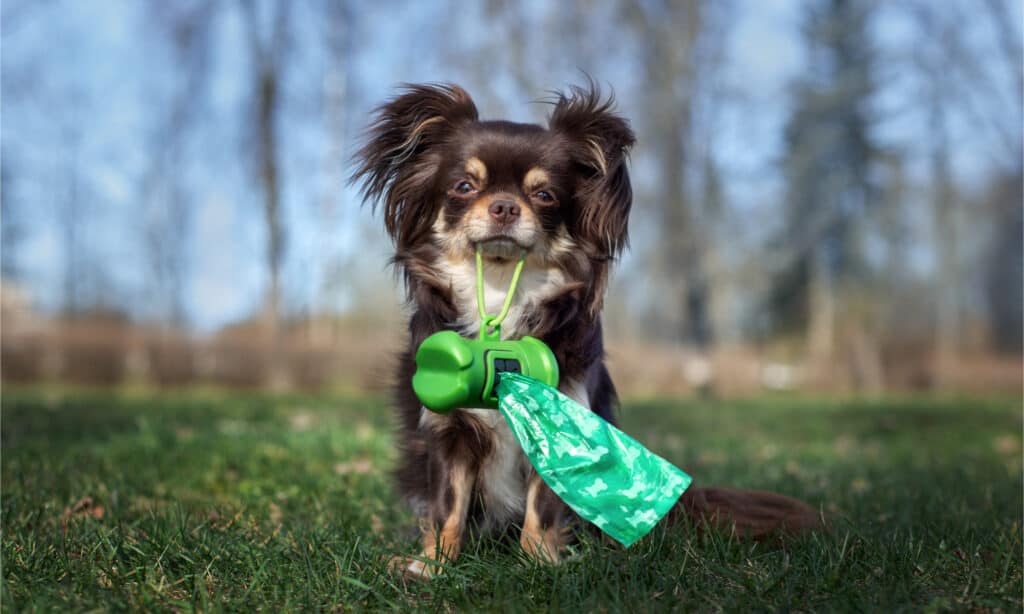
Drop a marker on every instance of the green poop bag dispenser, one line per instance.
(453, 372)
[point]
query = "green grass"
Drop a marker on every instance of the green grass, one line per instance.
(235, 502)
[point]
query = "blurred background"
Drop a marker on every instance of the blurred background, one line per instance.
(828, 192)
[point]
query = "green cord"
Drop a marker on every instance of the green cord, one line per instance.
(487, 321)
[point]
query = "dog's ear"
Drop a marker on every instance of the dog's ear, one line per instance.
(400, 161)
(599, 140)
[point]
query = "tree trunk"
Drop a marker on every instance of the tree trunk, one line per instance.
(268, 59)
(947, 333)
(821, 317)
(267, 114)
(335, 93)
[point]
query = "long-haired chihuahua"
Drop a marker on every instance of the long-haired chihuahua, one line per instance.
(450, 183)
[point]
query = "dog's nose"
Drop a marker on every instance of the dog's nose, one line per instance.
(504, 211)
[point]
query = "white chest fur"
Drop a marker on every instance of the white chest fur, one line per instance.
(535, 285)
(500, 482)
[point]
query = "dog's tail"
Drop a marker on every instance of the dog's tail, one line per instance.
(753, 513)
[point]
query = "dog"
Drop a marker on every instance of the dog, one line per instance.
(450, 183)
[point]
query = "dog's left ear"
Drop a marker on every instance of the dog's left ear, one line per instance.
(599, 140)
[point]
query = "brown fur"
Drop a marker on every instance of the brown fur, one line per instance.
(543, 535)
(437, 170)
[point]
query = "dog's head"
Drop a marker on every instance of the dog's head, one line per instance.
(453, 182)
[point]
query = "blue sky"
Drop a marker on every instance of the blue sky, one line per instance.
(91, 73)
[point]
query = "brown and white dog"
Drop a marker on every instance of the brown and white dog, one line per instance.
(449, 182)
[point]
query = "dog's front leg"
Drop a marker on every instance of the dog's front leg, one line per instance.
(441, 530)
(545, 526)
(544, 530)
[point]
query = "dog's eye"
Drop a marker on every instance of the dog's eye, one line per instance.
(463, 187)
(544, 196)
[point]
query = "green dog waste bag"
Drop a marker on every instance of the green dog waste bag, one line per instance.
(604, 475)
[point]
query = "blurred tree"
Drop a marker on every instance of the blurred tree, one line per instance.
(1004, 264)
(672, 74)
(961, 87)
(1005, 259)
(71, 215)
(337, 37)
(11, 227)
(946, 206)
(674, 38)
(681, 51)
(828, 166)
(268, 58)
(185, 29)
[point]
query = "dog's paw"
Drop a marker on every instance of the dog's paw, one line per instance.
(541, 553)
(413, 568)
(545, 547)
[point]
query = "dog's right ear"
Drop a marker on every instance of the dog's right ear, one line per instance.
(400, 161)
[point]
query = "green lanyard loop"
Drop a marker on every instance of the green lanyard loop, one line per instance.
(490, 326)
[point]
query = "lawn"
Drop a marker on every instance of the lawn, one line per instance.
(217, 501)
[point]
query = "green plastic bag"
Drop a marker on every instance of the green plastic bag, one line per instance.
(603, 474)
